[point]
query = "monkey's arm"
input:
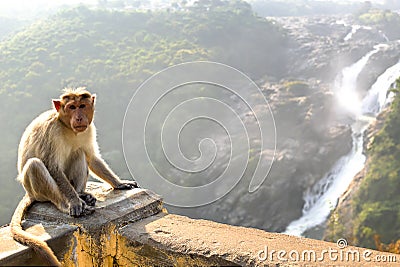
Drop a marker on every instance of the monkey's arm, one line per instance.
(100, 168)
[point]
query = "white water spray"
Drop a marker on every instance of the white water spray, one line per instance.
(346, 84)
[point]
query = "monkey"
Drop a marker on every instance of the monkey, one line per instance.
(56, 152)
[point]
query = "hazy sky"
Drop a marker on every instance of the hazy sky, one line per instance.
(24, 4)
(31, 7)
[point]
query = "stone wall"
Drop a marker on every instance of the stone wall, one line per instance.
(130, 228)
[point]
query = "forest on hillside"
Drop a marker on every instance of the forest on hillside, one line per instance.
(377, 198)
(112, 52)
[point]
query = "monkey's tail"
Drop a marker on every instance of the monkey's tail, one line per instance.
(28, 239)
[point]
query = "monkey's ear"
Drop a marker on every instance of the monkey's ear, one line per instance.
(57, 104)
(93, 98)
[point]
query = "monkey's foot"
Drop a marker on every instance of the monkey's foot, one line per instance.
(88, 198)
(87, 211)
(127, 185)
(81, 210)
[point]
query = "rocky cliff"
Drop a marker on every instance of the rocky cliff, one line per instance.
(312, 132)
(308, 128)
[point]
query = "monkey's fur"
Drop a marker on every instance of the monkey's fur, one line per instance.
(54, 157)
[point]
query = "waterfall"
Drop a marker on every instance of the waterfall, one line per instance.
(354, 29)
(378, 96)
(322, 198)
(346, 84)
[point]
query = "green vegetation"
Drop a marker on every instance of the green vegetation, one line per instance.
(384, 20)
(127, 43)
(102, 47)
(112, 52)
(377, 203)
(297, 88)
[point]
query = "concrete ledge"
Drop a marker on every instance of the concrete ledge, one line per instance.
(84, 241)
(129, 228)
(175, 240)
(60, 238)
(116, 206)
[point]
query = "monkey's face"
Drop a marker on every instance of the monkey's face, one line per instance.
(75, 110)
(79, 114)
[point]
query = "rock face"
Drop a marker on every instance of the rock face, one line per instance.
(319, 49)
(307, 138)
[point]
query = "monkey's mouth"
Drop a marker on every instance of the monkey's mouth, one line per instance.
(80, 128)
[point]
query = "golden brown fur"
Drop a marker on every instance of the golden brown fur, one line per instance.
(54, 157)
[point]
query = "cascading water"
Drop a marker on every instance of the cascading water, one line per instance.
(346, 82)
(378, 96)
(354, 29)
(323, 197)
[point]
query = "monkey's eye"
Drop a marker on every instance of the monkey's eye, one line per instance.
(72, 107)
(82, 106)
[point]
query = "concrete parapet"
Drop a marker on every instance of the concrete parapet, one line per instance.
(130, 228)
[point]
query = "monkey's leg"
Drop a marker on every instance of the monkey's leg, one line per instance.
(39, 184)
(78, 174)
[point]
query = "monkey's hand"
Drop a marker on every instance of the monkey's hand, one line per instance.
(127, 185)
(79, 208)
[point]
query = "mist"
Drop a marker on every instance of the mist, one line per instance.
(30, 9)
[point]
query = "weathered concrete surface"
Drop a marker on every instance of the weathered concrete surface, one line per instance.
(117, 206)
(60, 238)
(166, 240)
(130, 228)
(85, 241)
